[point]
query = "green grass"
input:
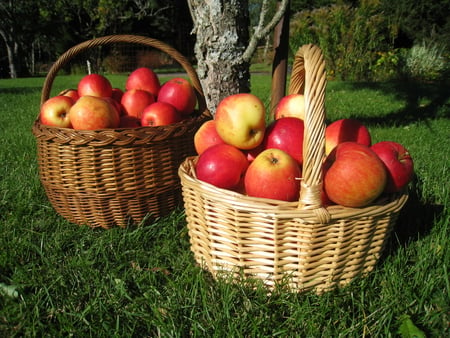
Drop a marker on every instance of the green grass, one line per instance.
(59, 279)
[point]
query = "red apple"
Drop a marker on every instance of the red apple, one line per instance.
(286, 134)
(117, 94)
(180, 94)
(55, 111)
(240, 120)
(221, 165)
(127, 121)
(273, 174)
(206, 136)
(134, 101)
(292, 105)
(346, 130)
(143, 78)
(160, 114)
(73, 93)
(92, 112)
(354, 175)
(252, 153)
(94, 85)
(398, 163)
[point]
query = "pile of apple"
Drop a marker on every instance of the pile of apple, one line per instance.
(96, 104)
(238, 151)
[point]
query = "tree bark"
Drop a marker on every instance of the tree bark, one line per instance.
(11, 50)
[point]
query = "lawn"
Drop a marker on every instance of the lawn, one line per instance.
(60, 279)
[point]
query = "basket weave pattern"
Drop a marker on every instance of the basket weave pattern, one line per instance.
(302, 245)
(111, 177)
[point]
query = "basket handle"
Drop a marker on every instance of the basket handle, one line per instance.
(308, 77)
(133, 39)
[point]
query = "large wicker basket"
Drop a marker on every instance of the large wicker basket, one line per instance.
(114, 177)
(301, 245)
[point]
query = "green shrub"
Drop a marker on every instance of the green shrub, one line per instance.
(425, 62)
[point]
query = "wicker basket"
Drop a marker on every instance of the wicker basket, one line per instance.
(113, 177)
(301, 245)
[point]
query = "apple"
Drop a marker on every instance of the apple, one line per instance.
(55, 111)
(354, 175)
(180, 94)
(292, 105)
(117, 94)
(160, 114)
(222, 165)
(398, 163)
(252, 153)
(143, 78)
(286, 134)
(73, 93)
(93, 112)
(346, 130)
(134, 101)
(206, 136)
(240, 120)
(94, 85)
(273, 174)
(127, 121)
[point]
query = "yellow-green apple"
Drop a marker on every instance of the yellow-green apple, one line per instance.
(206, 136)
(398, 163)
(70, 92)
(286, 134)
(179, 93)
(354, 175)
(55, 111)
(134, 101)
(93, 112)
(240, 120)
(222, 165)
(127, 121)
(346, 130)
(273, 174)
(160, 114)
(143, 78)
(94, 85)
(292, 105)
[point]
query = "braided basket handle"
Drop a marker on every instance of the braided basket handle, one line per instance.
(308, 77)
(133, 39)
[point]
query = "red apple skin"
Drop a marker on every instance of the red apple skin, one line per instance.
(134, 101)
(346, 130)
(127, 121)
(117, 94)
(72, 93)
(92, 112)
(273, 174)
(180, 94)
(222, 165)
(292, 105)
(354, 175)
(206, 136)
(286, 134)
(160, 114)
(55, 111)
(94, 85)
(143, 78)
(398, 162)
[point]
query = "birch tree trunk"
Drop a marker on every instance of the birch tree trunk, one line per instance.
(224, 46)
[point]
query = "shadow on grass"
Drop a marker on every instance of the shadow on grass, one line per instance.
(20, 90)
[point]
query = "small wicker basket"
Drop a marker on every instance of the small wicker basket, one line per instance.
(301, 245)
(113, 177)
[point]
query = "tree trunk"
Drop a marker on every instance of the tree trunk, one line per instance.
(11, 50)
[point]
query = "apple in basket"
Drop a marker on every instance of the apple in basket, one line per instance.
(179, 93)
(127, 121)
(273, 174)
(92, 112)
(134, 101)
(70, 92)
(143, 78)
(221, 165)
(240, 120)
(286, 134)
(55, 111)
(206, 136)
(94, 85)
(354, 175)
(398, 163)
(292, 105)
(117, 94)
(346, 130)
(160, 114)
